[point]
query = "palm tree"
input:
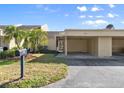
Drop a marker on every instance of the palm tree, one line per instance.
(35, 38)
(12, 32)
(44, 38)
(27, 37)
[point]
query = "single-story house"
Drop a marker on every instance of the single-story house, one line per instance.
(100, 42)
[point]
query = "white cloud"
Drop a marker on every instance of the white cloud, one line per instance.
(17, 25)
(89, 22)
(99, 16)
(95, 23)
(100, 21)
(46, 8)
(82, 8)
(94, 9)
(66, 14)
(111, 5)
(90, 16)
(50, 10)
(110, 15)
(82, 16)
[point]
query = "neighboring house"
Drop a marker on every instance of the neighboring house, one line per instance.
(12, 44)
(101, 42)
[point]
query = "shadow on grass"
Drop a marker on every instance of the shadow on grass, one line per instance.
(47, 58)
(6, 83)
(50, 58)
(41, 58)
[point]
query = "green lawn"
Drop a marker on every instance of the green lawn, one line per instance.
(6, 62)
(40, 70)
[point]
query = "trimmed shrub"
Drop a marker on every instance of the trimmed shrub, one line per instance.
(2, 55)
(10, 53)
(7, 54)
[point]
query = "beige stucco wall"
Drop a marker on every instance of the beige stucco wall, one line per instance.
(3, 43)
(104, 46)
(117, 45)
(100, 46)
(77, 45)
(52, 44)
(12, 43)
(93, 46)
(52, 40)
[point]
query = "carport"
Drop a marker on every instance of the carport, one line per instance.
(118, 45)
(79, 44)
(99, 43)
(95, 46)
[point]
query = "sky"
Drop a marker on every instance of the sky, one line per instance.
(59, 16)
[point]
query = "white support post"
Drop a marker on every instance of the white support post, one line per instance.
(65, 45)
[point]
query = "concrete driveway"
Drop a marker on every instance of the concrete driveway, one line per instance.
(93, 73)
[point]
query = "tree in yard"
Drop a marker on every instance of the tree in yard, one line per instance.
(35, 38)
(44, 38)
(110, 26)
(27, 37)
(13, 32)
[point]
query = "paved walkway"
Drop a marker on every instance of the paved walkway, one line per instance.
(93, 73)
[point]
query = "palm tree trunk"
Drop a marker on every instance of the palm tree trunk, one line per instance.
(17, 44)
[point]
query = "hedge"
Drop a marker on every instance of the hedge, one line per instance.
(7, 54)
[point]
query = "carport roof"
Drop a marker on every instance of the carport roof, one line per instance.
(92, 32)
